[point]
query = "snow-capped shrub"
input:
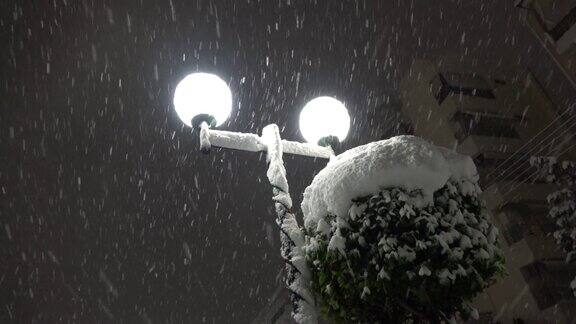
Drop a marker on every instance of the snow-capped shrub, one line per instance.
(395, 231)
(563, 212)
(562, 203)
(397, 258)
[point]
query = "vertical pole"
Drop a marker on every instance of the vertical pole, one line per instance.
(205, 138)
(291, 236)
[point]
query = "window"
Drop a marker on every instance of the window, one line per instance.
(526, 219)
(448, 83)
(514, 233)
(564, 25)
(549, 281)
(467, 124)
(515, 227)
(533, 271)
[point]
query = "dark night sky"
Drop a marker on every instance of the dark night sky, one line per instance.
(103, 191)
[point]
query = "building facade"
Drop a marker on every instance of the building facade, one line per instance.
(553, 23)
(501, 121)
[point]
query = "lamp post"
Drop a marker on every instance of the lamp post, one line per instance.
(204, 101)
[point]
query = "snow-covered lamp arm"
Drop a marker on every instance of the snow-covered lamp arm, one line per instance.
(254, 143)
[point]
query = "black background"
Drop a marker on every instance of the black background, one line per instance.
(103, 190)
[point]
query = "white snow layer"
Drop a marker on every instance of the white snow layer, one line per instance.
(255, 143)
(407, 162)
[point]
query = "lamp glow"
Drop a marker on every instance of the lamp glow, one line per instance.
(322, 117)
(202, 93)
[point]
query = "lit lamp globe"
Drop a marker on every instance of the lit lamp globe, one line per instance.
(324, 121)
(203, 97)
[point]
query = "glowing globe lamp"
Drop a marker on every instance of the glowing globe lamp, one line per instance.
(203, 94)
(322, 118)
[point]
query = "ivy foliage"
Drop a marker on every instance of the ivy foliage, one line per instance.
(403, 260)
(562, 203)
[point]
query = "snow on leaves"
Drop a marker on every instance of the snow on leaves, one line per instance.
(562, 203)
(395, 260)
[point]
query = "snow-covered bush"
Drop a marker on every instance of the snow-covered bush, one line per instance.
(562, 203)
(563, 212)
(412, 241)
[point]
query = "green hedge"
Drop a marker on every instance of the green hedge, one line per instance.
(402, 262)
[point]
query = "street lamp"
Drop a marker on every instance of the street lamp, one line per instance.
(324, 119)
(203, 94)
(204, 101)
